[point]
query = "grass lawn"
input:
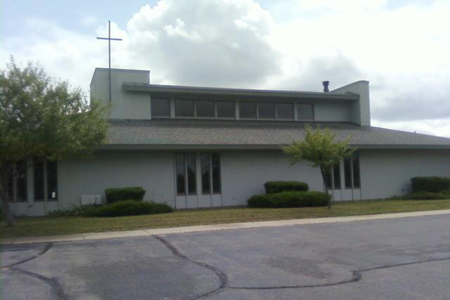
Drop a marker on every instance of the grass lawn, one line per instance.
(39, 226)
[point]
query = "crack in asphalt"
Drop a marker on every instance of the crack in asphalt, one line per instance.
(356, 275)
(223, 279)
(52, 282)
(42, 252)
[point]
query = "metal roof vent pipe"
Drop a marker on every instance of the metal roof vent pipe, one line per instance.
(325, 86)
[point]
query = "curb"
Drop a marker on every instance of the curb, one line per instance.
(204, 228)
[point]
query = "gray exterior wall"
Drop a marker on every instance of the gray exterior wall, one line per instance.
(360, 110)
(388, 172)
(333, 112)
(244, 174)
(151, 170)
(124, 105)
(384, 173)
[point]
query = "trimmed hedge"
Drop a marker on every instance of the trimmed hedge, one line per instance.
(74, 211)
(273, 187)
(129, 208)
(290, 199)
(126, 193)
(430, 184)
(427, 196)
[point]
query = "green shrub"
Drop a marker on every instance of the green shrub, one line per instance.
(430, 184)
(426, 196)
(129, 208)
(273, 187)
(290, 199)
(126, 193)
(72, 212)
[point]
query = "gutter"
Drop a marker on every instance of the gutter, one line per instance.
(260, 147)
(175, 89)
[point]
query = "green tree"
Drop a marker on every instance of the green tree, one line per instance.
(45, 120)
(321, 150)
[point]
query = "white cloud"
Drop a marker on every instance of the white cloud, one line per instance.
(202, 42)
(179, 30)
(88, 20)
(402, 50)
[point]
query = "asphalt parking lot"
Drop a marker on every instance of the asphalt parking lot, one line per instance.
(406, 258)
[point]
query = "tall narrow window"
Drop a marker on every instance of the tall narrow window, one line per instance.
(17, 186)
(181, 174)
(191, 174)
(21, 179)
(348, 172)
(352, 172)
(206, 172)
(39, 181)
(247, 110)
(160, 108)
(356, 172)
(215, 161)
(11, 189)
(52, 180)
(336, 176)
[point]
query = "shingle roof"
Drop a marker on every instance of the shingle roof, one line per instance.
(259, 134)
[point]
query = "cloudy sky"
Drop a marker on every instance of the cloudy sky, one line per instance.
(401, 46)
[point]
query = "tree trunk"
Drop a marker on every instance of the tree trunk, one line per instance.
(324, 178)
(4, 199)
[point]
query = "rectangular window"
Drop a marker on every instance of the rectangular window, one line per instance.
(266, 110)
(356, 172)
(351, 167)
(205, 109)
(186, 174)
(10, 189)
(18, 183)
(52, 180)
(336, 176)
(191, 173)
(39, 181)
(184, 108)
(160, 108)
(205, 159)
(21, 179)
(285, 111)
(226, 109)
(181, 173)
(211, 178)
(247, 110)
(305, 112)
(348, 172)
(216, 177)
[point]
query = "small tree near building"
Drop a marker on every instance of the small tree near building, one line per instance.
(321, 150)
(43, 120)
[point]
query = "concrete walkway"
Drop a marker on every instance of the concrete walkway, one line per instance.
(202, 228)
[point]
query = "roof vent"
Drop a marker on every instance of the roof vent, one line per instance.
(325, 86)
